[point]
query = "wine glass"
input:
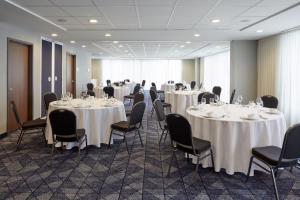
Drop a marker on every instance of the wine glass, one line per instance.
(259, 102)
(211, 100)
(240, 99)
(217, 98)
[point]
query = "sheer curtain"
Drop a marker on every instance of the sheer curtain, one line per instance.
(279, 70)
(157, 71)
(217, 73)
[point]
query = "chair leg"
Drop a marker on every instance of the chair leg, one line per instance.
(20, 139)
(152, 110)
(52, 150)
(274, 184)
(165, 137)
(86, 146)
(161, 136)
(78, 153)
(43, 131)
(249, 168)
(170, 165)
(126, 143)
(110, 138)
(212, 159)
(198, 161)
(140, 137)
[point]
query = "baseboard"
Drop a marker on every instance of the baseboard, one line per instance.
(3, 135)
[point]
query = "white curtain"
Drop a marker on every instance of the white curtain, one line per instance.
(157, 71)
(278, 72)
(217, 73)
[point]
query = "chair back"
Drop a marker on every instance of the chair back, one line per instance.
(178, 85)
(153, 94)
(137, 113)
(90, 93)
(172, 82)
(232, 96)
(206, 95)
(180, 131)
(153, 84)
(136, 88)
(159, 109)
(193, 84)
(16, 114)
(291, 144)
(109, 90)
(48, 98)
(90, 86)
(143, 83)
(269, 101)
(217, 90)
(126, 80)
(108, 82)
(63, 124)
(138, 97)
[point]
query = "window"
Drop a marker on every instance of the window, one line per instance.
(157, 71)
(217, 73)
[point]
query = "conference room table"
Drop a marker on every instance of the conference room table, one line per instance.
(233, 131)
(94, 115)
(119, 92)
(182, 99)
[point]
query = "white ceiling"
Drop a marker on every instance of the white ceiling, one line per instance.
(154, 28)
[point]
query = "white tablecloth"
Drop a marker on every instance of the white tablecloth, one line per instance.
(232, 138)
(131, 86)
(96, 120)
(119, 92)
(181, 100)
(167, 87)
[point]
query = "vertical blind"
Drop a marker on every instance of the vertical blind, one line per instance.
(278, 72)
(217, 73)
(157, 71)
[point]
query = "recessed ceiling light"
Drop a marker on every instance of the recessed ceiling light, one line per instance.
(182, 46)
(115, 42)
(54, 35)
(188, 42)
(120, 46)
(215, 21)
(72, 42)
(260, 31)
(83, 46)
(93, 21)
(196, 34)
(107, 35)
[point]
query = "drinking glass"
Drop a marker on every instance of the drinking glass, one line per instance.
(259, 102)
(217, 98)
(240, 99)
(203, 101)
(211, 100)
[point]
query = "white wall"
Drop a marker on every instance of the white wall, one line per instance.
(12, 32)
(243, 69)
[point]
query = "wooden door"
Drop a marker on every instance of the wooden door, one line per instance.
(58, 70)
(46, 71)
(19, 82)
(71, 74)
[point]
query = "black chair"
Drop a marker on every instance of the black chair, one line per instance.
(158, 91)
(161, 118)
(178, 86)
(126, 80)
(138, 97)
(206, 95)
(90, 86)
(90, 93)
(193, 84)
(108, 82)
(64, 129)
(217, 90)
(172, 82)
(23, 127)
(153, 96)
(109, 90)
(232, 96)
(132, 125)
(143, 83)
(136, 89)
(275, 157)
(48, 98)
(182, 139)
(269, 101)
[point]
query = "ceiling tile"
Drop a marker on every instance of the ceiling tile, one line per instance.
(48, 11)
(114, 2)
(262, 11)
(159, 10)
(119, 11)
(155, 2)
(82, 11)
(33, 2)
(73, 2)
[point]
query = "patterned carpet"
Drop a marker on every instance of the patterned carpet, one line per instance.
(109, 174)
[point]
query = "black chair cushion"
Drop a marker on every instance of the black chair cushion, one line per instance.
(37, 123)
(199, 145)
(122, 126)
(269, 154)
(80, 134)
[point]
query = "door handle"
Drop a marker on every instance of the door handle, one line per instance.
(55, 78)
(49, 79)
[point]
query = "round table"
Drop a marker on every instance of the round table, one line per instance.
(95, 116)
(233, 136)
(181, 100)
(119, 92)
